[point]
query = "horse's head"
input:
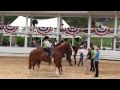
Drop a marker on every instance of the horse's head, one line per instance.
(64, 47)
(68, 48)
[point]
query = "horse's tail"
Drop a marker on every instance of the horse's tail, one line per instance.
(32, 58)
(30, 61)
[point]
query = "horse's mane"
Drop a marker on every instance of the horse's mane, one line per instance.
(59, 43)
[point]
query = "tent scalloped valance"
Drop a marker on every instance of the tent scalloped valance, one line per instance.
(44, 30)
(102, 31)
(72, 31)
(9, 29)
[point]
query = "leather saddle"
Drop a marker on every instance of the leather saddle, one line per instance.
(45, 49)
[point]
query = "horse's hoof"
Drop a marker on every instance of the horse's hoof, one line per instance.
(29, 72)
(58, 74)
(37, 69)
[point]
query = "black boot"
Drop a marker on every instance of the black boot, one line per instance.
(96, 75)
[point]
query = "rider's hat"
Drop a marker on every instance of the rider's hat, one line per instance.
(46, 37)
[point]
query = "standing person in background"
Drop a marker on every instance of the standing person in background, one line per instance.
(81, 57)
(99, 47)
(96, 62)
(92, 68)
(55, 42)
(88, 58)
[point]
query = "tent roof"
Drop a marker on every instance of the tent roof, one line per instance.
(52, 22)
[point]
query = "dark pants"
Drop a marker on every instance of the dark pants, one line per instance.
(97, 68)
(49, 51)
(80, 61)
(92, 68)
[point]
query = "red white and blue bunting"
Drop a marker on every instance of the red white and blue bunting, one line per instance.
(10, 29)
(72, 31)
(1, 27)
(44, 30)
(102, 31)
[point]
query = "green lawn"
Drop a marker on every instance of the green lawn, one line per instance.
(111, 24)
(97, 41)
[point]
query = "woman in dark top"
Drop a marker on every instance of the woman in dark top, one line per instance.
(89, 54)
(88, 58)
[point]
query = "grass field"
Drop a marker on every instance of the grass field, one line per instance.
(97, 41)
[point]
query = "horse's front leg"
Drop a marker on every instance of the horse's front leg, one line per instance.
(70, 62)
(57, 71)
(49, 60)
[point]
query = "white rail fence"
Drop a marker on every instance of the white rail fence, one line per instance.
(106, 54)
(23, 52)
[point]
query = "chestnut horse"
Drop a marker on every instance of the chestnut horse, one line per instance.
(67, 54)
(38, 55)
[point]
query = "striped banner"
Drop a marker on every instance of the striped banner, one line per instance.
(1, 27)
(44, 30)
(102, 31)
(72, 31)
(10, 29)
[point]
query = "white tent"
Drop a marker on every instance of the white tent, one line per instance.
(52, 22)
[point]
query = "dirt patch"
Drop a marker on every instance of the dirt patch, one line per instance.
(17, 68)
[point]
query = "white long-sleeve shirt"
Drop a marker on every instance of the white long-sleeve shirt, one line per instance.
(48, 44)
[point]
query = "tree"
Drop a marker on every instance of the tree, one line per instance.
(76, 21)
(9, 19)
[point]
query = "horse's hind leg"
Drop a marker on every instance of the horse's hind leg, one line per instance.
(70, 62)
(34, 63)
(57, 71)
(38, 63)
(57, 68)
(30, 67)
(61, 70)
